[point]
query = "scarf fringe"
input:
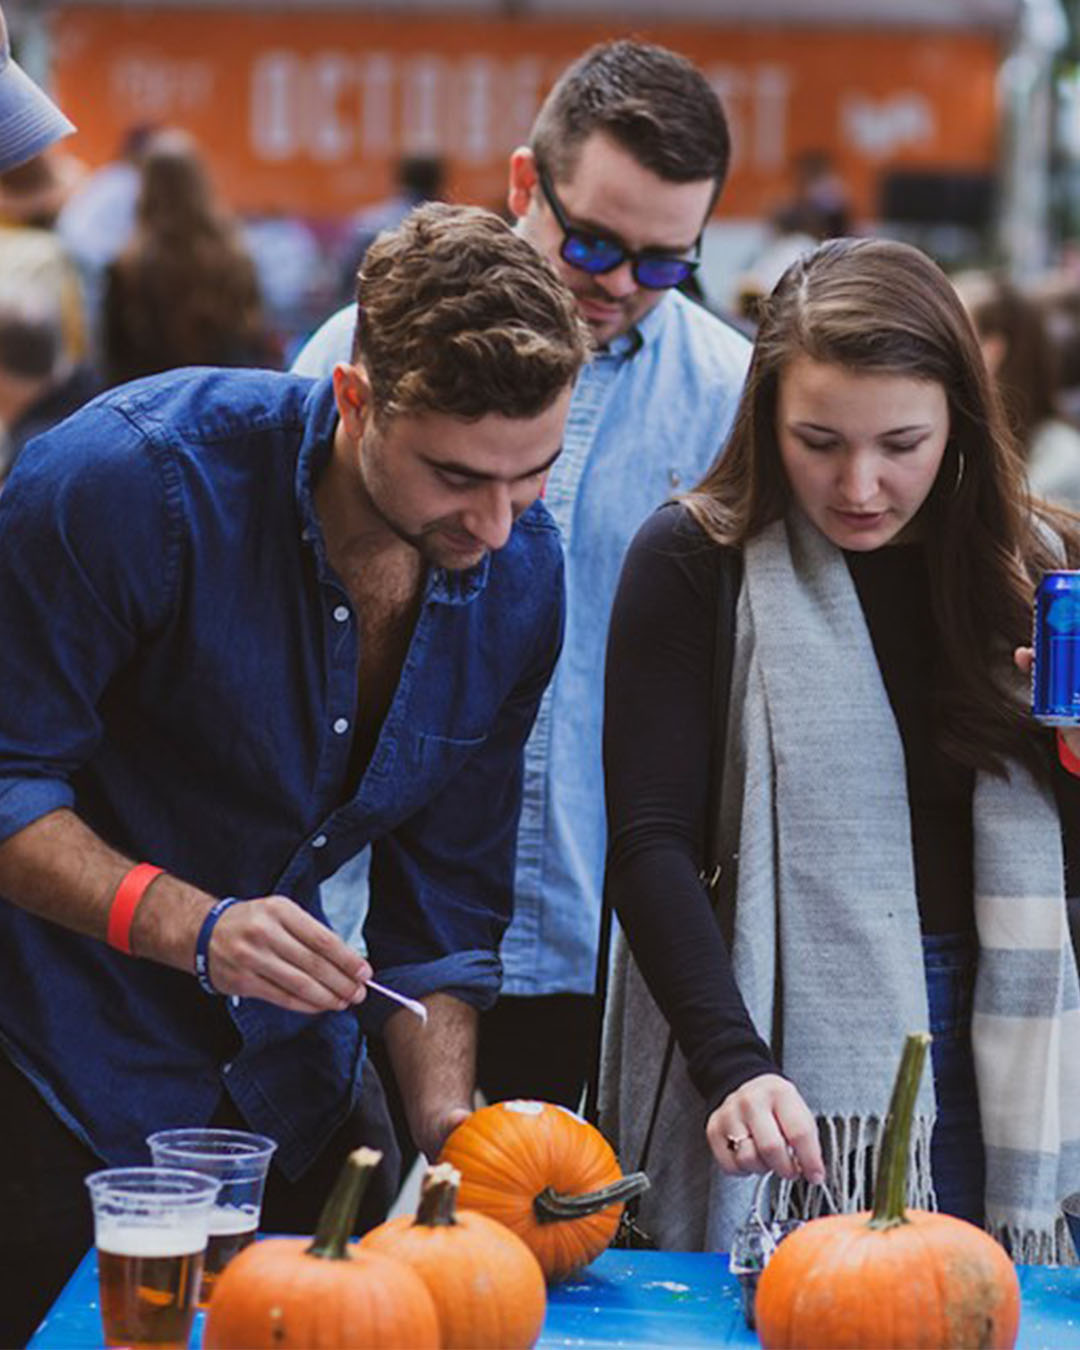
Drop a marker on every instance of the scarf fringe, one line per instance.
(852, 1146)
(1036, 1246)
(852, 1150)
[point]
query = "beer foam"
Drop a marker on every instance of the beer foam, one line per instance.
(228, 1220)
(125, 1239)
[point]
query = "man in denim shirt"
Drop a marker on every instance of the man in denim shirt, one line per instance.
(251, 624)
(624, 165)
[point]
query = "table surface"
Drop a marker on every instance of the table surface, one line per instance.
(639, 1299)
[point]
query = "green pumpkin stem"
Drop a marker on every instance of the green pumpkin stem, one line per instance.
(890, 1186)
(551, 1207)
(438, 1197)
(338, 1215)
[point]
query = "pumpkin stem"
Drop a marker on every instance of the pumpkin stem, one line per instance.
(339, 1213)
(438, 1197)
(890, 1185)
(550, 1206)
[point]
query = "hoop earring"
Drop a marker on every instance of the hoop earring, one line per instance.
(959, 472)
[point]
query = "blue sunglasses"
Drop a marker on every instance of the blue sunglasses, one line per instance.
(600, 253)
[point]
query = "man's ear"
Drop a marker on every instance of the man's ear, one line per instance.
(524, 181)
(352, 394)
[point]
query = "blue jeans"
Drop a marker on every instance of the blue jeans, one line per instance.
(957, 1158)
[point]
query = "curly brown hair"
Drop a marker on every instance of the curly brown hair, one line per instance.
(884, 307)
(457, 314)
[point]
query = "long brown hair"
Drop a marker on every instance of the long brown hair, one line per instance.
(1027, 377)
(184, 291)
(882, 307)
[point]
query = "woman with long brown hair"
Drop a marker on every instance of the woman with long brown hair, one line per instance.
(184, 291)
(891, 819)
(1025, 363)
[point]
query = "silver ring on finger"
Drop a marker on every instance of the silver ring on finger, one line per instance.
(735, 1141)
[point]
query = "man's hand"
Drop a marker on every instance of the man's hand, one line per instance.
(269, 948)
(443, 1128)
(765, 1126)
(273, 949)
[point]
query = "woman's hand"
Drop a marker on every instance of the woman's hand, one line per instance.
(1024, 659)
(765, 1126)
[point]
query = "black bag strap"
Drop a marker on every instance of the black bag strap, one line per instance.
(729, 579)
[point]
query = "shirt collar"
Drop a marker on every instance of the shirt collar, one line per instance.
(320, 421)
(653, 324)
(642, 334)
(458, 588)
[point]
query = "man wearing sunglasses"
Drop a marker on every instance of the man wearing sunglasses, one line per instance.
(626, 160)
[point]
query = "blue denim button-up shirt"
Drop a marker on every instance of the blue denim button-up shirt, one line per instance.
(648, 417)
(180, 667)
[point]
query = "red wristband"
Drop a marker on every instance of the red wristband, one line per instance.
(1066, 757)
(125, 902)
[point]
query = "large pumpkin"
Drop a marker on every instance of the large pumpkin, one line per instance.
(893, 1279)
(546, 1174)
(322, 1294)
(487, 1286)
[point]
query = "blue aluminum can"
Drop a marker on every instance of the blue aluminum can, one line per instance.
(1055, 680)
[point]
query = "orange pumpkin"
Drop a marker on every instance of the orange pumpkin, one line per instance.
(325, 1294)
(488, 1287)
(893, 1279)
(546, 1174)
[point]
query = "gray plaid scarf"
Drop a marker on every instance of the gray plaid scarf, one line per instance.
(827, 949)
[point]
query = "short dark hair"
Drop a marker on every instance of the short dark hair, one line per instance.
(457, 314)
(652, 102)
(31, 338)
(422, 175)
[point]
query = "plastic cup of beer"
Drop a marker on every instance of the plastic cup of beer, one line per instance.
(239, 1161)
(150, 1230)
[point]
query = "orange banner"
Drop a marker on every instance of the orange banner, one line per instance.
(306, 113)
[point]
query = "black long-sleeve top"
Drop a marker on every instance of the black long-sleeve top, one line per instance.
(658, 740)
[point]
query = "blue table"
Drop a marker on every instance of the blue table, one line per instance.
(626, 1299)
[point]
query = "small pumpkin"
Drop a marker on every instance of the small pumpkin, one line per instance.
(325, 1293)
(487, 1286)
(546, 1174)
(893, 1279)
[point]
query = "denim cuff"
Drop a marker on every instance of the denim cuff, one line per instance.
(24, 800)
(473, 977)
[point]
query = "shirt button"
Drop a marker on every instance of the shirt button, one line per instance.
(341, 726)
(226, 1068)
(319, 841)
(234, 999)
(341, 613)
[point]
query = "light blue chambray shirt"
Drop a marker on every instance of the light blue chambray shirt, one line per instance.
(648, 417)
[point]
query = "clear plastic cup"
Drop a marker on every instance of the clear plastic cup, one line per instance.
(150, 1229)
(239, 1161)
(751, 1249)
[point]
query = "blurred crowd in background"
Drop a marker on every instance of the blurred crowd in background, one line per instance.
(142, 264)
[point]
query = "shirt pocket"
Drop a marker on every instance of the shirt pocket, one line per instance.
(438, 758)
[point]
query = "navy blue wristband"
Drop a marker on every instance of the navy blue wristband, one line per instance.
(202, 943)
